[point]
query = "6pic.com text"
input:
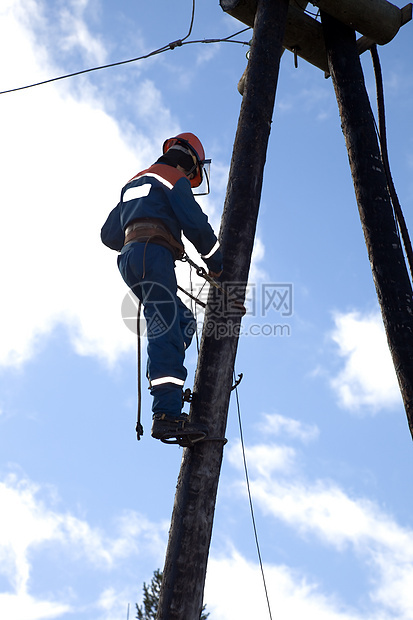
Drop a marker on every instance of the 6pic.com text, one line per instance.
(235, 328)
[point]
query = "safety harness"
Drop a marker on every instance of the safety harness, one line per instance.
(153, 230)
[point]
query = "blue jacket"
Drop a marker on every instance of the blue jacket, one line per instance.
(163, 192)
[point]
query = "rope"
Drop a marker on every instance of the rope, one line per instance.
(139, 427)
(385, 158)
(194, 309)
(257, 544)
(195, 299)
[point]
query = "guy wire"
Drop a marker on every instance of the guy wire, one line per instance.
(381, 132)
(250, 497)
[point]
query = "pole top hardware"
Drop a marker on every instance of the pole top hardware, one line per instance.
(378, 21)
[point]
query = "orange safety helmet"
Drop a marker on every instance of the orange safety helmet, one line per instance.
(193, 144)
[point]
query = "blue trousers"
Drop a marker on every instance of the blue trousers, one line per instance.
(149, 271)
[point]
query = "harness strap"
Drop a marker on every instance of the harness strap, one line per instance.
(152, 230)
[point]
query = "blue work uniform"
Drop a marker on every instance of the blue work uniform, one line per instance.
(164, 193)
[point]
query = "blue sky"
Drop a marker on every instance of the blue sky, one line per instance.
(85, 508)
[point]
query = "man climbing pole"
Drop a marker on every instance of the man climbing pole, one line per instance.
(155, 207)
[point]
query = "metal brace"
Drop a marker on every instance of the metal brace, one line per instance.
(187, 396)
(188, 441)
(295, 52)
(237, 382)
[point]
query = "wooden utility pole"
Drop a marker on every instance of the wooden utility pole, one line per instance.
(385, 253)
(191, 527)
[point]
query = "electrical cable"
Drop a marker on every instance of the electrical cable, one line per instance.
(381, 132)
(161, 50)
(192, 21)
(307, 11)
(250, 497)
(122, 62)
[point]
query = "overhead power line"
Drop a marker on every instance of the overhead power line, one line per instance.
(161, 50)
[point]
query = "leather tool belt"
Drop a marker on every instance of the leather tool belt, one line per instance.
(152, 230)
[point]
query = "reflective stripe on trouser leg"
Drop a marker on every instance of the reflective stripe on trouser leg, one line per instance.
(167, 395)
(163, 380)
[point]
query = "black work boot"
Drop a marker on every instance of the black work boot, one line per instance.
(173, 429)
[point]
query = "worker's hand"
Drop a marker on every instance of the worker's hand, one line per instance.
(212, 274)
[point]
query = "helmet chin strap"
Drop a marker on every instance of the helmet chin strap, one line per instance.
(195, 166)
(187, 173)
(192, 172)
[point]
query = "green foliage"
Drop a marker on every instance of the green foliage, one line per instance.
(151, 599)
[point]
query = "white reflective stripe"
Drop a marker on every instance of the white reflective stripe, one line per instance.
(214, 249)
(140, 191)
(163, 380)
(159, 178)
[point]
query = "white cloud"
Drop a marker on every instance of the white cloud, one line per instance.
(321, 512)
(25, 606)
(76, 34)
(205, 54)
(276, 424)
(312, 99)
(320, 508)
(368, 378)
(317, 510)
(242, 596)
(111, 605)
(263, 459)
(324, 510)
(257, 273)
(64, 160)
(266, 459)
(29, 525)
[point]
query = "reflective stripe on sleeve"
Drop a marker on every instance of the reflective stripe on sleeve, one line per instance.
(140, 191)
(163, 380)
(214, 249)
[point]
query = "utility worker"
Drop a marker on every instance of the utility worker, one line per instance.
(155, 207)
